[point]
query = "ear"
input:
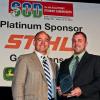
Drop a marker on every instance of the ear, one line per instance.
(33, 42)
(86, 43)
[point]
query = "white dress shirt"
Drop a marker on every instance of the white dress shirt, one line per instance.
(50, 68)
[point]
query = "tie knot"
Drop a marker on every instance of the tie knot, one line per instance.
(77, 58)
(43, 58)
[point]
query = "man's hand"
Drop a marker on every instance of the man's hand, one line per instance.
(59, 90)
(76, 92)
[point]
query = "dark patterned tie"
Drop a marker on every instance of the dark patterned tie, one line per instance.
(75, 66)
(47, 75)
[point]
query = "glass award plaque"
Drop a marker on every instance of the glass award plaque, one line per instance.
(66, 83)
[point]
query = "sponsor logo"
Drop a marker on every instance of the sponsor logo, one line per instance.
(8, 73)
(15, 41)
(38, 9)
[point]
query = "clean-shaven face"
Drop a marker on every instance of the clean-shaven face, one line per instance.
(41, 43)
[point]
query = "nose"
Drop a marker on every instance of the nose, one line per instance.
(42, 42)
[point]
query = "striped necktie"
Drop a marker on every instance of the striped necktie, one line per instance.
(75, 66)
(47, 75)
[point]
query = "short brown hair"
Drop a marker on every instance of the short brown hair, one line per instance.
(84, 35)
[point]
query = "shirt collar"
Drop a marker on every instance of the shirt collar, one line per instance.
(39, 54)
(79, 55)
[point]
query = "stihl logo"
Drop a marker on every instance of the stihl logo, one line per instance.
(15, 41)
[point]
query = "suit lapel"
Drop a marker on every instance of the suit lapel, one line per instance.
(37, 63)
(81, 64)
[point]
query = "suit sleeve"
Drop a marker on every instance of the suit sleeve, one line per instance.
(19, 79)
(94, 86)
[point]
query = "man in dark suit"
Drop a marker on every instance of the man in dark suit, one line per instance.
(30, 81)
(86, 79)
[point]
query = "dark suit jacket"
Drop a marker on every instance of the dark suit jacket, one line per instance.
(87, 76)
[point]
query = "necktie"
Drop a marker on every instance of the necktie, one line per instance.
(75, 66)
(47, 75)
